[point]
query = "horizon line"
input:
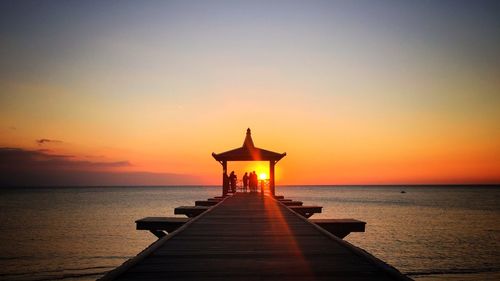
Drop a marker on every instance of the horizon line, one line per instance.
(284, 185)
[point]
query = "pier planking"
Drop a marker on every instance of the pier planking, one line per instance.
(252, 237)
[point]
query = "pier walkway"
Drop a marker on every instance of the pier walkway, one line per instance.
(252, 237)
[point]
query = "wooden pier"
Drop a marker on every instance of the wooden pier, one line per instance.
(248, 236)
(251, 236)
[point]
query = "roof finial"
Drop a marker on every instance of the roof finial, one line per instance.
(248, 139)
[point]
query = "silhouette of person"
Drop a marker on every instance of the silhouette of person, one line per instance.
(232, 181)
(245, 181)
(250, 181)
(254, 181)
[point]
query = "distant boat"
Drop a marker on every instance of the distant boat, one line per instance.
(402, 191)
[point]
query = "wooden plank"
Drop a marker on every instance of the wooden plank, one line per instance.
(205, 203)
(158, 225)
(168, 224)
(190, 211)
(340, 227)
(292, 203)
(250, 237)
(306, 211)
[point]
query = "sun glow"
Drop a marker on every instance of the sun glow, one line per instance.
(261, 168)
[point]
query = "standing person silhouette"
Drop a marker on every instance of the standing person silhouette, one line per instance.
(253, 178)
(245, 181)
(232, 181)
(250, 181)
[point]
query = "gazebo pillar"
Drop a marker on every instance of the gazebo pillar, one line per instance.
(225, 183)
(271, 177)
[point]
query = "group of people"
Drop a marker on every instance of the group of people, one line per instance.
(229, 182)
(250, 182)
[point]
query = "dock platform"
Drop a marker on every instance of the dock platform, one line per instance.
(252, 237)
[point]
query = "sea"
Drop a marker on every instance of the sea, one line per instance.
(80, 233)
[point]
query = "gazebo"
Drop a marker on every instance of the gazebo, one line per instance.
(248, 152)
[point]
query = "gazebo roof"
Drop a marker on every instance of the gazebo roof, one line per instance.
(248, 152)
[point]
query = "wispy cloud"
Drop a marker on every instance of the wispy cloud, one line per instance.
(44, 141)
(24, 159)
(21, 167)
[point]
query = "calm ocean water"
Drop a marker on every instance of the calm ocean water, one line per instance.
(429, 233)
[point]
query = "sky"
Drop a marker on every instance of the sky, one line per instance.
(355, 92)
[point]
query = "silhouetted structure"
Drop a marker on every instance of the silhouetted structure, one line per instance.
(225, 182)
(248, 152)
(245, 236)
(222, 240)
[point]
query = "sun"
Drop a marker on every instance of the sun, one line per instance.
(262, 176)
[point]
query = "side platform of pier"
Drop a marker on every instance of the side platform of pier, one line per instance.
(249, 236)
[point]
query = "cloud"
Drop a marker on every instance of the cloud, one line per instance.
(17, 158)
(43, 141)
(21, 167)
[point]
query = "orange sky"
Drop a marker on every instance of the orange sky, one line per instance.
(349, 97)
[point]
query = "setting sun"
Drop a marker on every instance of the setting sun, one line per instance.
(261, 168)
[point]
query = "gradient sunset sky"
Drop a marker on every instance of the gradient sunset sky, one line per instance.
(356, 92)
